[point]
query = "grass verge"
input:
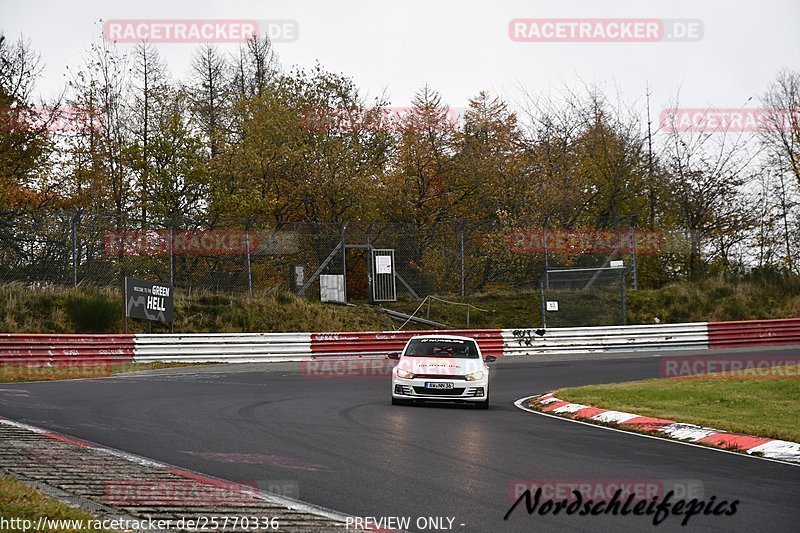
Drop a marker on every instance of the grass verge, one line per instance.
(18, 500)
(761, 402)
(87, 309)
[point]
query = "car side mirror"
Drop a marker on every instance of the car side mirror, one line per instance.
(490, 358)
(394, 355)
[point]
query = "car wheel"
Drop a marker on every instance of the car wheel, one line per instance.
(483, 405)
(398, 401)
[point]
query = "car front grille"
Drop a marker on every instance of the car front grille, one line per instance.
(439, 376)
(439, 392)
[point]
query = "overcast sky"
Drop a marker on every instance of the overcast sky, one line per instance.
(459, 47)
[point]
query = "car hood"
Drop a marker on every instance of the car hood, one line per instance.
(443, 365)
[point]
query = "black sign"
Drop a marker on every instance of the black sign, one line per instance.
(148, 300)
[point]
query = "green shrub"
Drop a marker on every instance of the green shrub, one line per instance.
(93, 312)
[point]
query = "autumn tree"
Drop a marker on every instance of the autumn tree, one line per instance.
(24, 140)
(780, 138)
(27, 149)
(493, 163)
(150, 92)
(208, 90)
(423, 185)
(305, 152)
(255, 67)
(709, 170)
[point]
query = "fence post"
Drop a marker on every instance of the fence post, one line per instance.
(75, 249)
(462, 263)
(546, 262)
(370, 265)
(344, 260)
(541, 292)
(249, 268)
(624, 299)
(633, 258)
(171, 239)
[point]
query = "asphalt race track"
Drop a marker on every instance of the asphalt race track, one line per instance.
(338, 443)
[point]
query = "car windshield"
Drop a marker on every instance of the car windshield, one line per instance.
(462, 349)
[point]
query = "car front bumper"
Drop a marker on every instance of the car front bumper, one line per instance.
(462, 391)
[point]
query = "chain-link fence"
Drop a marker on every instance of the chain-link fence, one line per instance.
(460, 258)
(578, 297)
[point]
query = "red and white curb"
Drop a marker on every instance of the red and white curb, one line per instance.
(779, 450)
(267, 497)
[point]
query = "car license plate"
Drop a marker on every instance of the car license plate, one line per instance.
(438, 385)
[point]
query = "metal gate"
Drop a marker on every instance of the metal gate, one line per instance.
(382, 276)
(583, 297)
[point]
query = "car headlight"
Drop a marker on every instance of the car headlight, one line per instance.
(475, 376)
(405, 374)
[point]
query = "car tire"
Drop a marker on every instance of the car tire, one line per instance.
(483, 405)
(398, 401)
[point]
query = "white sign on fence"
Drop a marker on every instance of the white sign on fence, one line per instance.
(552, 306)
(383, 264)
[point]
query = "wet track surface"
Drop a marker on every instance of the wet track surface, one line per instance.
(338, 443)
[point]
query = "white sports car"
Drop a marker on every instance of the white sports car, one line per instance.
(441, 368)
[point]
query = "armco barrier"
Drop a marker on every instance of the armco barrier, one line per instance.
(228, 347)
(753, 333)
(605, 339)
(54, 350)
(250, 347)
(381, 343)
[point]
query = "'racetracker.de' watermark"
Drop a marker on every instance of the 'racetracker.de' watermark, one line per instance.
(198, 30)
(700, 120)
(604, 30)
(604, 489)
(728, 365)
(194, 492)
(374, 119)
(177, 492)
(59, 119)
(585, 241)
(65, 369)
(375, 368)
(347, 368)
(180, 242)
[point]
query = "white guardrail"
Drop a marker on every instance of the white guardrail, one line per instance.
(605, 339)
(222, 347)
(285, 347)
